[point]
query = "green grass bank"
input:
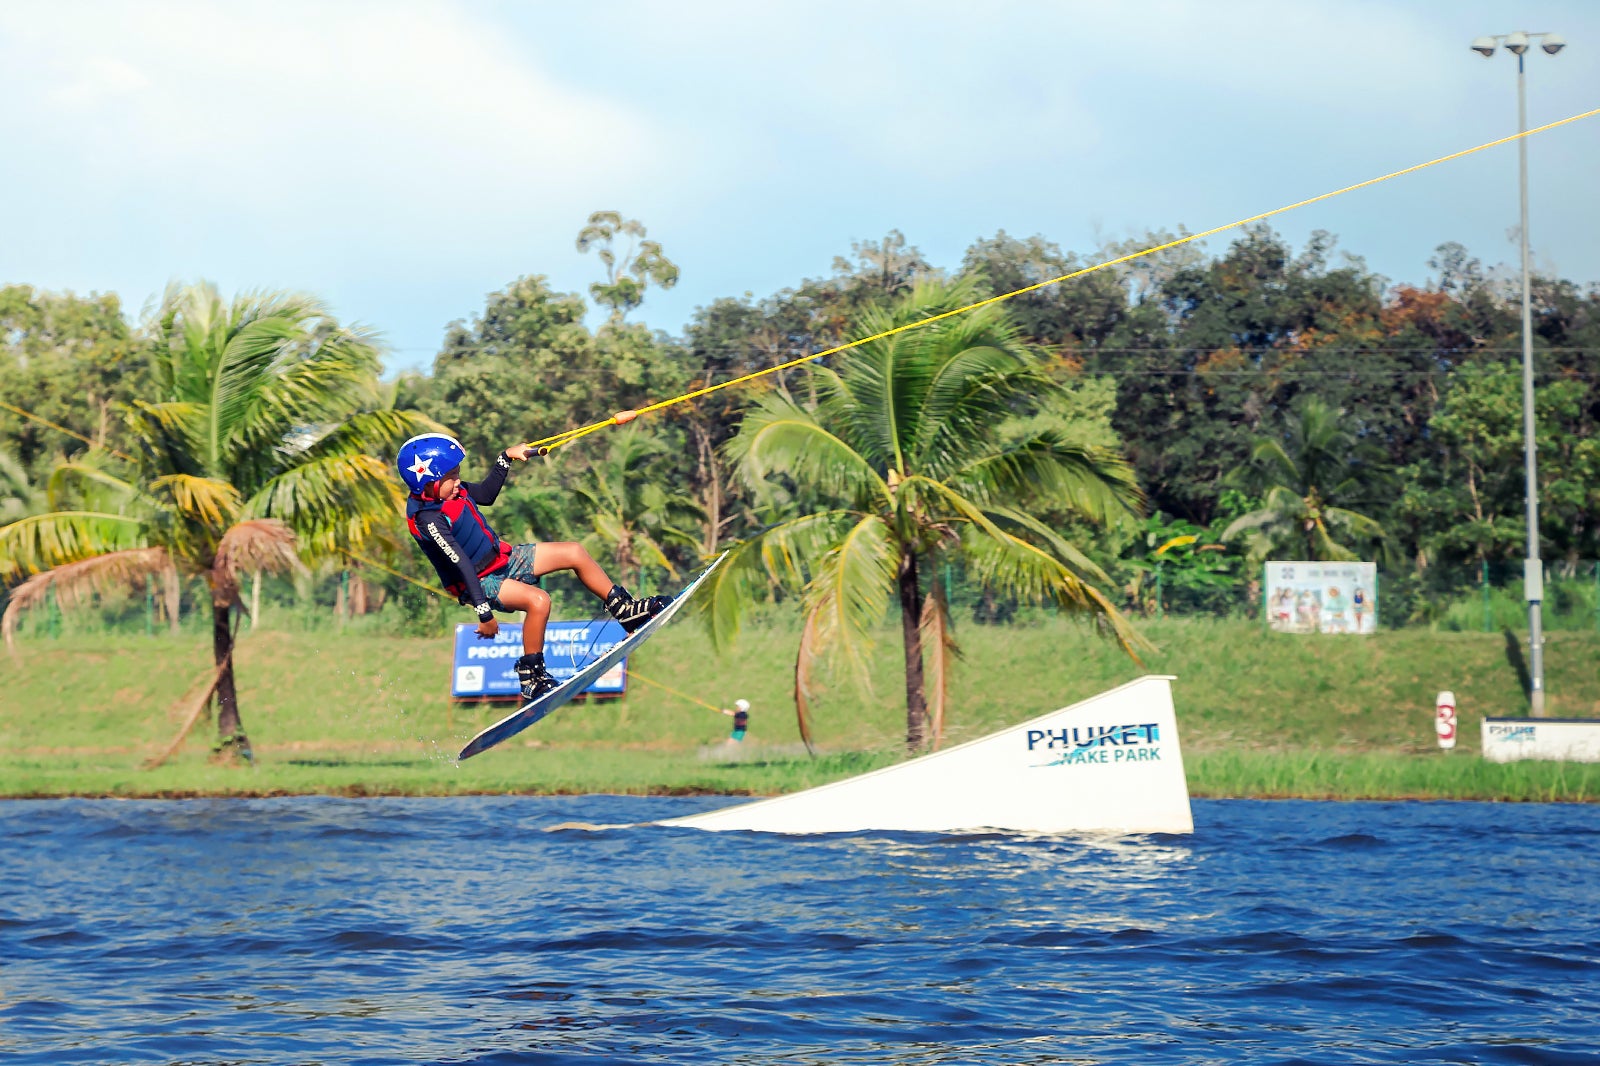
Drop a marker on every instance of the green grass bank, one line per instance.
(1259, 714)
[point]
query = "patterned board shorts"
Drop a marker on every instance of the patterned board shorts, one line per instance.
(518, 568)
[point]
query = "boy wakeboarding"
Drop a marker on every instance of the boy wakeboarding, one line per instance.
(488, 574)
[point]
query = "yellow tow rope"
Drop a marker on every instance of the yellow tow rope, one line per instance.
(546, 445)
(683, 695)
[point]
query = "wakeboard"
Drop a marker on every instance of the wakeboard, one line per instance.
(529, 713)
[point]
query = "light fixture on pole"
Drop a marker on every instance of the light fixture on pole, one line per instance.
(1532, 568)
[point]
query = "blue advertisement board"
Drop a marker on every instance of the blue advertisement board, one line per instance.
(486, 669)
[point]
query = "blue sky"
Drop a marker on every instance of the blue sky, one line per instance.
(402, 159)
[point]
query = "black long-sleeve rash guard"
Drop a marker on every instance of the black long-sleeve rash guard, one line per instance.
(457, 540)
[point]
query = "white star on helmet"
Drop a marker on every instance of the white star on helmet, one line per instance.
(421, 468)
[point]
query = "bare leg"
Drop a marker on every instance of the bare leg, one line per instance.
(534, 600)
(566, 555)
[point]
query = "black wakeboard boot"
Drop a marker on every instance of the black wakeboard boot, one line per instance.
(534, 678)
(632, 613)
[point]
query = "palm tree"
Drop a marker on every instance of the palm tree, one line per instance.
(259, 440)
(906, 461)
(634, 516)
(1298, 476)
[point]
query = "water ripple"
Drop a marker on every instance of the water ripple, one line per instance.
(397, 931)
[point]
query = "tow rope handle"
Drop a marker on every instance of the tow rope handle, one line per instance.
(621, 418)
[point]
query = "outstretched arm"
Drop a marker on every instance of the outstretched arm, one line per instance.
(485, 492)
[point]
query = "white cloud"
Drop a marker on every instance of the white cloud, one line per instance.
(376, 110)
(403, 158)
(95, 83)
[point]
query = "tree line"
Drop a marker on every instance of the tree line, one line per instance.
(1337, 413)
(1206, 410)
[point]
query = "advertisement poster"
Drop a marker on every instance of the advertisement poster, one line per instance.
(1322, 597)
(486, 669)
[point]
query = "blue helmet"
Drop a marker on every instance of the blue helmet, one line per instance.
(428, 457)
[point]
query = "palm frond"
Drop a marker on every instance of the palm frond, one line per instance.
(1048, 469)
(338, 501)
(897, 381)
(1258, 541)
(729, 591)
(1059, 545)
(1327, 547)
(244, 368)
(850, 591)
(649, 551)
(210, 349)
(197, 705)
(1270, 456)
(803, 661)
(56, 538)
(1286, 501)
(255, 545)
(96, 487)
(76, 582)
(1014, 567)
(888, 383)
(194, 326)
(1253, 521)
(779, 435)
(1354, 524)
(1263, 530)
(968, 395)
(13, 474)
(253, 380)
(205, 501)
(792, 550)
(338, 375)
(609, 528)
(169, 434)
(834, 391)
(1019, 568)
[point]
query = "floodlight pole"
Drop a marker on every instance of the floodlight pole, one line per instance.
(1532, 566)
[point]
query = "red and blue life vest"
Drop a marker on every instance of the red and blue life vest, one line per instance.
(466, 539)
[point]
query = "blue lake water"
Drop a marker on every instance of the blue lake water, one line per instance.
(316, 930)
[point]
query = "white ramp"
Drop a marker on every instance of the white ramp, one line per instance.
(1110, 764)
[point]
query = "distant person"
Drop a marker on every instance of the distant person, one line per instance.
(483, 571)
(741, 719)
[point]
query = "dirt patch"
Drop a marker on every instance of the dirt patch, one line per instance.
(292, 746)
(120, 750)
(344, 745)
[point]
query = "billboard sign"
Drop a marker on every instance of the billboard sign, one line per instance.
(1325, 597)
(486, 669)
